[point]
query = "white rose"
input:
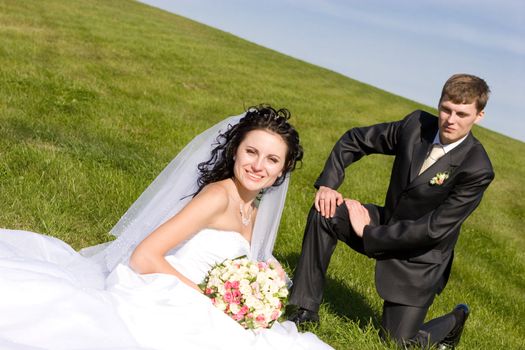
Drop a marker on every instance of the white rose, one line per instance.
(234, 308)
(220, 304)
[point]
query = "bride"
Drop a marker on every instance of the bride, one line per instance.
(140, 291)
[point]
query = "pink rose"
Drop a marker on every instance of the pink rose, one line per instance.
(236, 296)
(228, 297)
(238, 317)
(276, 314)
(261, 320)
(244, 310)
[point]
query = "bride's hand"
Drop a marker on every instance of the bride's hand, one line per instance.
(195, 286)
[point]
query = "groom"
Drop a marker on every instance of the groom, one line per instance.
(439, 174)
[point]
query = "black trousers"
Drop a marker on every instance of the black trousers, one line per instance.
(403, 323)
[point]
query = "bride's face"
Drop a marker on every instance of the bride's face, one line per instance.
(259, 159)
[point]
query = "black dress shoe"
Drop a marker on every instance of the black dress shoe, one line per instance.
(461, 313)
(304, 315)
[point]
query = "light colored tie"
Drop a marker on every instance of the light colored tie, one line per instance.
(436, 153)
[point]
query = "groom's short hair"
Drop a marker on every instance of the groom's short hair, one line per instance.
(466, 88)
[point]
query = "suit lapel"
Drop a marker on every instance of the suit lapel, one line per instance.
(448, 162)
(458, 154)
(418, 157)
(421, 149)
(443, 164)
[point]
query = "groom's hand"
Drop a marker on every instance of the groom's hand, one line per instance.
(327, 200)
(359, 216)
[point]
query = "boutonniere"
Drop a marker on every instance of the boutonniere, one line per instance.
(440, 178)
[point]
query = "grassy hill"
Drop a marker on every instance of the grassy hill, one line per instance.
(97, 96)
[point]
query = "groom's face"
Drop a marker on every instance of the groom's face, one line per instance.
(456, 120)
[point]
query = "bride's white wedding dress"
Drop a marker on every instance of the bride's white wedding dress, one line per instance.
(51, 297)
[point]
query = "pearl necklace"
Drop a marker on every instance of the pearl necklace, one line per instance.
(245, 220)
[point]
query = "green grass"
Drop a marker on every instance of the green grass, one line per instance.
(97, 96)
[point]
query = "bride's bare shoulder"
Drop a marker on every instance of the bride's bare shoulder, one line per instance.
(223, 187)
(218, 193)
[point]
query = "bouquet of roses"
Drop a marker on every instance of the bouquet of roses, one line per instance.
(253, 293)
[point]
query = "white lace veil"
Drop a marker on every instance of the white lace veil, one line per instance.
(170, 192)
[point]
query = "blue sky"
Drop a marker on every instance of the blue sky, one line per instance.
(406, 47)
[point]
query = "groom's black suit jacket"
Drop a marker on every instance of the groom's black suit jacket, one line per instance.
(412, 237)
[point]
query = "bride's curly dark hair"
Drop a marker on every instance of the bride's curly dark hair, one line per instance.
(261, 117)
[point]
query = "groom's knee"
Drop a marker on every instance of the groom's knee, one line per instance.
(341, 222)
(318, 227)
(317, 219)
(337, 226)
